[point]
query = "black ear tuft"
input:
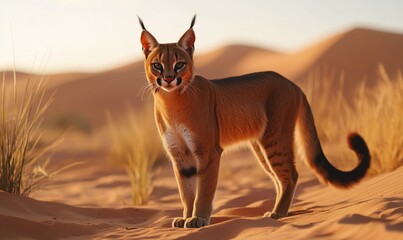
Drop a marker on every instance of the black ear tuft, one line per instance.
(193, 21)
(141, 23)
(148, 41)
(187, 40)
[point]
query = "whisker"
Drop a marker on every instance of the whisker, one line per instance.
(142, 90)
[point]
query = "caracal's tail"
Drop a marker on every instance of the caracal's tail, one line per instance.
(309, 147)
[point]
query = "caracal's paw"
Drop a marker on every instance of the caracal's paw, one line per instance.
(178, 223)
(196, 222)
(274, 215)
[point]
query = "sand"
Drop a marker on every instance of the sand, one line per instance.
(91, 199)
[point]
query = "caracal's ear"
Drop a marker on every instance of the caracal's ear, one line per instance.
(188, 39)
(148, 41)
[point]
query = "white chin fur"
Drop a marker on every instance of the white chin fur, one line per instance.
(169, 89)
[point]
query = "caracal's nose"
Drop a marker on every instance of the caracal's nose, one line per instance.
(169, 79)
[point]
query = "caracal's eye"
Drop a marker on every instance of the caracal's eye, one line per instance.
(179, 66)
(157, 66)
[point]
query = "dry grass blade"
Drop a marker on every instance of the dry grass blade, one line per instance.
(136, 145)
(21, 117)
(383, 122)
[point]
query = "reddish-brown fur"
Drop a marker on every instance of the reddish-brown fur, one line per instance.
(198, 118)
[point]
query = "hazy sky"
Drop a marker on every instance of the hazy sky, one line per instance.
(91, 35)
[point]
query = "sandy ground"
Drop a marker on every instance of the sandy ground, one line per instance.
(92, 201)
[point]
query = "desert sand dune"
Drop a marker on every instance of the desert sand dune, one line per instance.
(88, 97)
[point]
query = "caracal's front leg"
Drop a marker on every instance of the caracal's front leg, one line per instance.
(207, 176)
(186, 180)
(185, 170)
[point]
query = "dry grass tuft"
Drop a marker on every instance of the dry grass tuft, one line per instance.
(376, 113)
(136, 145)
(21, 116)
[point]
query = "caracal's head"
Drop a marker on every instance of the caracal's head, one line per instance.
(168, 66)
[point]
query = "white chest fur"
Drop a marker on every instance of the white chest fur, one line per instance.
(179, 138)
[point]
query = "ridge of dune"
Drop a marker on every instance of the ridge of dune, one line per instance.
(291, 65)
(222, 62)
(359, 52)
(355, 58)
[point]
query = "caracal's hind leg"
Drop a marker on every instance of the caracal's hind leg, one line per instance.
(278, 153)
(277, 144)
(260, 155)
